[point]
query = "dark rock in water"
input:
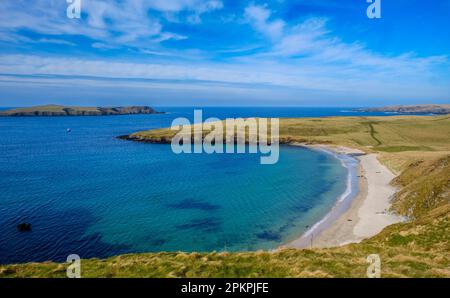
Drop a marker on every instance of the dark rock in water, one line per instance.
(210, 224)
(194, 204)
(24, 227)
(269, 235)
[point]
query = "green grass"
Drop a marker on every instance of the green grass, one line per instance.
(388, 134)
(372, 133)
(424, 185)
(403, 148)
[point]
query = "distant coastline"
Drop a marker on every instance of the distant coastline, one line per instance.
(412, 109)
(59, 110)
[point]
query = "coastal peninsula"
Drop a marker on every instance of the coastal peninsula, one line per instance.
(58, 110)
(412, 109)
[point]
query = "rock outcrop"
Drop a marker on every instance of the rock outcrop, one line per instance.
(24, 227)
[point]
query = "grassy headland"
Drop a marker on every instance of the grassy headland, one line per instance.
(58, 110)
(418, 148)
(385, 134)
(402, 109)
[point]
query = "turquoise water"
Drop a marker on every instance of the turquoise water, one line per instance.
(91, 194)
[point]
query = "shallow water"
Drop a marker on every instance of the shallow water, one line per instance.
(88, 193)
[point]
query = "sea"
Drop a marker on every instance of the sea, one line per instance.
(86, 192)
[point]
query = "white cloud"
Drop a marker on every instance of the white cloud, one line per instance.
(127, 22)
(259, 17)
(200, 6)
(17, 39)
(103, 46)
(203, 7)
(317, 78)
(304, 56)
(305, 38)
(311, 43)
(167, 36)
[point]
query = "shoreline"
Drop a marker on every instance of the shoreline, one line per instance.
(353, 217)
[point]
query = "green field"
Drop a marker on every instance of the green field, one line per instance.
(387, 134)
(418, 148)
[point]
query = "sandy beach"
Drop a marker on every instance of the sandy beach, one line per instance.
(368, 213)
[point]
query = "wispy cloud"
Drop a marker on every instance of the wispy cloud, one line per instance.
(56, 41)
(305, 55)
(312, 45)
(305, 76)
(259, 17)
(106, 21)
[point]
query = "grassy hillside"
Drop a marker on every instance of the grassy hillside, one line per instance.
(399, 140)
(384, 134)
(424, 185)
(416, 147)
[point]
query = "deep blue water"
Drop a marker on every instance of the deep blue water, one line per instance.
(91, 194)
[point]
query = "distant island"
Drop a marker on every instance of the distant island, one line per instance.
(58, 110)
(426, 109)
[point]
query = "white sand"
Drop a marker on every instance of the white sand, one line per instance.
(368, 213)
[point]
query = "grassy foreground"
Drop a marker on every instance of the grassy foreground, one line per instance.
(416, 147)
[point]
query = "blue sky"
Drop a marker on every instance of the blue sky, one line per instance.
(218, 52)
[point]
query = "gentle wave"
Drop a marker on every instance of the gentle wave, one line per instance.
(346, 197)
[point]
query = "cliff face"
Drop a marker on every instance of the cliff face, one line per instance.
(426, 109)
(54, 110)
